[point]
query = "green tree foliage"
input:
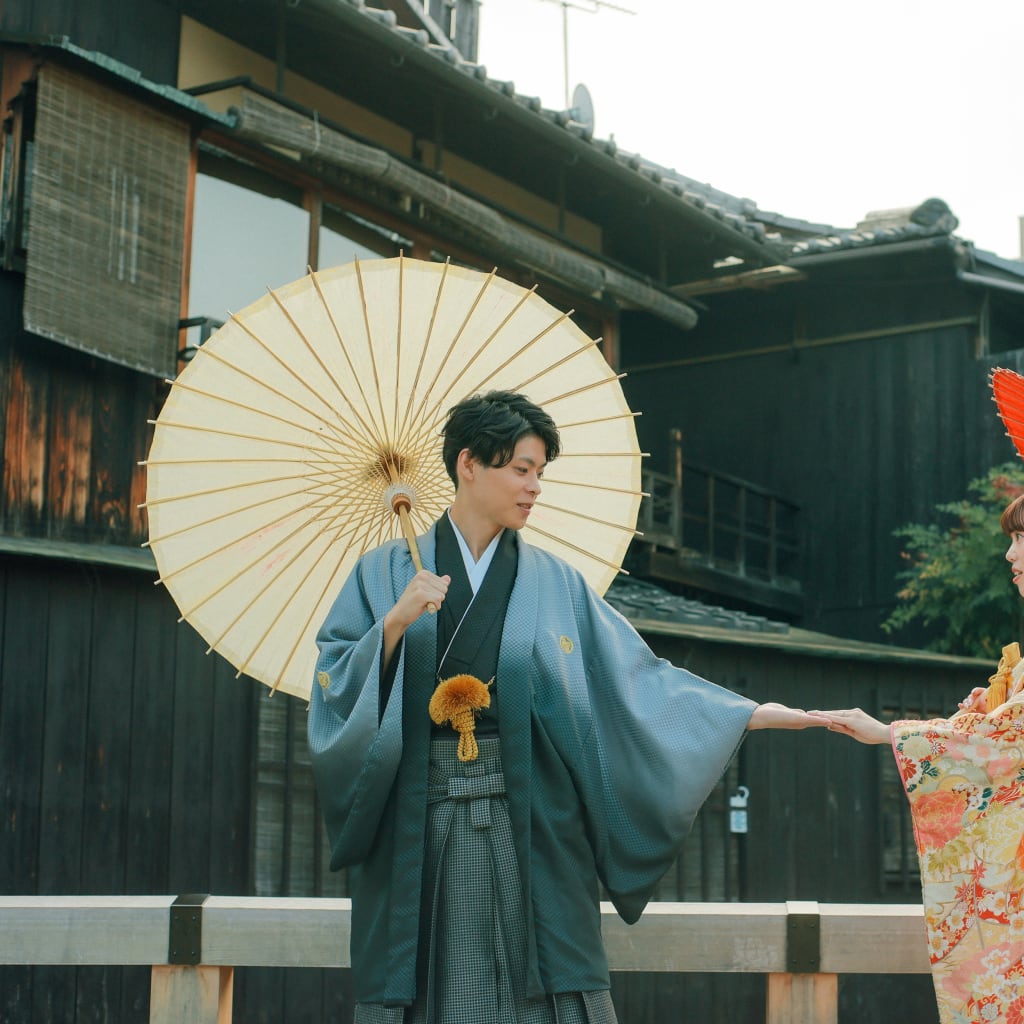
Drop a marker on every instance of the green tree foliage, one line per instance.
(956, 581)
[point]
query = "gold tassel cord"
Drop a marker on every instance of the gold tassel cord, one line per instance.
(999, 682)
(459, 700)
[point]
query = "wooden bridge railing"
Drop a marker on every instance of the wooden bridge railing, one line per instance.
(193, 944)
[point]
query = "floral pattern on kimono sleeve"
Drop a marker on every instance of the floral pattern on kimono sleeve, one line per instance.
(964, 778)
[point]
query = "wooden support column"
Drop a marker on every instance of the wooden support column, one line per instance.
(186, 989)
(199, 995)
(803, 999)
(804, 995)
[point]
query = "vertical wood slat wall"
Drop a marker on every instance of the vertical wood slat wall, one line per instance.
(127, 765)
(125, 762)
(864, 436)
(72, 435)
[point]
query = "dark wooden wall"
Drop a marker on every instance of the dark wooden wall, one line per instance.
(814, 796)
(865, 436)
(125, 762)
(141, 33)
(127, 766)
(72, 434)
(815, 818)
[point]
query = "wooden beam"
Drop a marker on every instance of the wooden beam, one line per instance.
(292, 932)
(274, 932)
(84, 930)
(891, 939)
(686, 937)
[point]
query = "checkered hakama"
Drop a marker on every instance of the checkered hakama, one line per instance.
(472, 962)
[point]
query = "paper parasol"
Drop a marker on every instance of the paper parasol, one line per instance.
(285, 444)
(1008, 392)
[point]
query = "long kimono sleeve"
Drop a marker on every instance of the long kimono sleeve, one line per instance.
(355, 744)
(662, 739)
(964, 781)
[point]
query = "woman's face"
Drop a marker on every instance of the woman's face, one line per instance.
(1015, 556)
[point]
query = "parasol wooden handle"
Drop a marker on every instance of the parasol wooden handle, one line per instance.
(400, 506)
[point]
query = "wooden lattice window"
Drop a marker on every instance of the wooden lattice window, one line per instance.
(291, 854)
(106, 224)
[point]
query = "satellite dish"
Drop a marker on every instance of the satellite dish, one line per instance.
(582, 109)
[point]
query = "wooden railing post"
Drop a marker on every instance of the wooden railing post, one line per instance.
(198, 995)
(803, 999)
(188, 987)
(804, 995)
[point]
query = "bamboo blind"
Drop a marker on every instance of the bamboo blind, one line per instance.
(106, 224)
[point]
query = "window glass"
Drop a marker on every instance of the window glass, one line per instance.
(249, 232)
(1004, 323)
(345, 237)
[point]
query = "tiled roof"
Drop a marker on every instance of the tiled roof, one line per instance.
(932, 219)
(656, 612)
(718, 205)
(639, 600)
(796, 237)
(789, 237)
(839, 238)
(739, 214)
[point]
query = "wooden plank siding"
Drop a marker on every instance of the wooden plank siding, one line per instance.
(126, 758)
(864, 435)
(814, 821)
(141, 33)
(813, 806)
(125, 763)
(25, 440)
(74, 432)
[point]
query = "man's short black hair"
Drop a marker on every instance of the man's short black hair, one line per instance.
(491, 426)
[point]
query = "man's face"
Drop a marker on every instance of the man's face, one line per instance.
(504, 495)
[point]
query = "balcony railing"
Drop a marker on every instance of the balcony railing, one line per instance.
(722, 534)
(193, 944)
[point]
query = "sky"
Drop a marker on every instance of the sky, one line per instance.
(817, 109)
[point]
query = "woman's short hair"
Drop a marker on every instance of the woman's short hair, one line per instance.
(491, 426)
(1012, 519)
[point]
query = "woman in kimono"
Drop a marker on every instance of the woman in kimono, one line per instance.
(964, 778)
(477, 857)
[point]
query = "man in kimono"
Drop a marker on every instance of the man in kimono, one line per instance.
(476, 868)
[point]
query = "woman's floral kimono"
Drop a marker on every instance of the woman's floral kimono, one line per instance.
(964, 777)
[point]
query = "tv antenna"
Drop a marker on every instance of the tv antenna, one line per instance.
(589, 7)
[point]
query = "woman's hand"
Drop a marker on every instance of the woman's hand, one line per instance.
(856, 723)
(976, 701)
(778, 716)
